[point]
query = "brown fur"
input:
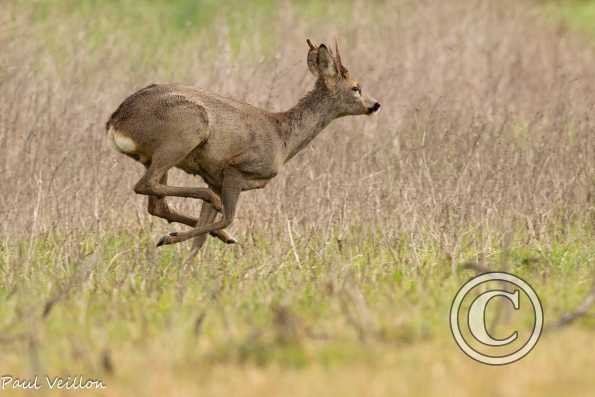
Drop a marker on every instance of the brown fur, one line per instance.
(233, 146)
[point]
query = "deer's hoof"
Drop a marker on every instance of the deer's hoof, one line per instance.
(165, 240)
(162, 241)
(231, 240)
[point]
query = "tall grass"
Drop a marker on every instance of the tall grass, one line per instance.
(483, 153)
(481, 129)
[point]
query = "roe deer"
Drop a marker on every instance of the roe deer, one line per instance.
(233, 146)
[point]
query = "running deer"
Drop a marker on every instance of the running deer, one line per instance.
(233, 146)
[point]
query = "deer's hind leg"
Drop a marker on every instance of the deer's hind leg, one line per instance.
(158, 207)
(164, 158)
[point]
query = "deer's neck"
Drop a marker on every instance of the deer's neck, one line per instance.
(306, 120)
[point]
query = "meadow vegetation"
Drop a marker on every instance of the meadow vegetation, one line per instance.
(482, 157)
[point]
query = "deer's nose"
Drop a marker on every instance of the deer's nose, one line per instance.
(374, 108)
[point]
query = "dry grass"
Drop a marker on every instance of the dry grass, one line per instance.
(485, 143)
(486, 123)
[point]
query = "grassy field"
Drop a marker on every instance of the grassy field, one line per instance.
(483, 157)
(577, 14)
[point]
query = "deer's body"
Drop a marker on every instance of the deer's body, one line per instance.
(220, 133)
(233, 146)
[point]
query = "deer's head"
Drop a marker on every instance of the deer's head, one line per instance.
(345, 91)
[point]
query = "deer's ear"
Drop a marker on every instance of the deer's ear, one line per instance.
(312, 58)
(326, 63)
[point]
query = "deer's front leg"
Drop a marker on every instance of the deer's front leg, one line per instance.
(158, 207)
(230, 193)
(207, 216)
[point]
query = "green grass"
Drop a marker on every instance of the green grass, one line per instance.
(169, 23)
(578, 14)
(114, 307)
(121, 294)
(162, 19)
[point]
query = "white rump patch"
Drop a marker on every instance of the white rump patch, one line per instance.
(121, 142)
